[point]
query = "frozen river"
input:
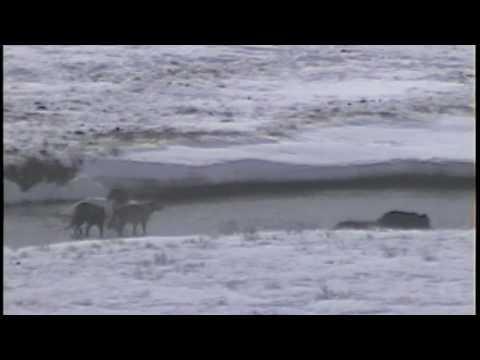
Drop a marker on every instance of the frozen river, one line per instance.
(292, 211)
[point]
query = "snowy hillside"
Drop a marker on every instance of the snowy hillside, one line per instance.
(67, 101)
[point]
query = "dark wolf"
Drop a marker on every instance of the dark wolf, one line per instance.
(134, 213)
(89, 214)
(356, 225)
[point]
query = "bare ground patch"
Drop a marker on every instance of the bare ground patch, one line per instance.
(33, 171)
(168, 135)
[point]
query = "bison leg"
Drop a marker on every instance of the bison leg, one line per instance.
(120, 230)
(112, 223)
(77, 231)
(144, 227)
(100, 230)
(88, 230)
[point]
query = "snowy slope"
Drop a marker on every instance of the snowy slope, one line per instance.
(315, 272)
(100, 99)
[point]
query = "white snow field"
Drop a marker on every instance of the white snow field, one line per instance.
(313, 272)
(202, 95)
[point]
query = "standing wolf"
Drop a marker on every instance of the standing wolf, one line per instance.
(404, 220)
(134, 213)
(391, 220)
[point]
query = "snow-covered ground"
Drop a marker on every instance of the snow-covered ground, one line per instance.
(198, 95)
(313, 272)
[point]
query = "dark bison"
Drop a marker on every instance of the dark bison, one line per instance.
(404, 220)
(89, 214)
(134, 213)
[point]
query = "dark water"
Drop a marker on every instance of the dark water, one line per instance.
(447, 209)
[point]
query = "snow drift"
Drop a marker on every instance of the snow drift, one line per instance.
(312, 272)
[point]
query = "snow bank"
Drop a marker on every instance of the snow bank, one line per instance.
(446, 148)
(314, 272)
(346, 145)
(441, 150)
